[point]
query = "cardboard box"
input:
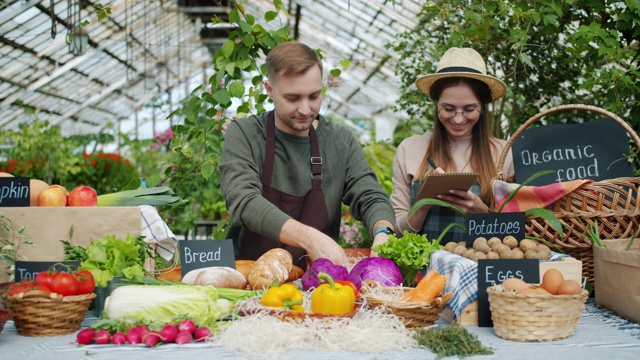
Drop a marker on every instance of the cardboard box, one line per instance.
(47, 226)
(570, 268)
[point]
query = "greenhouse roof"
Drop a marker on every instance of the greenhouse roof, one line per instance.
(136, 65)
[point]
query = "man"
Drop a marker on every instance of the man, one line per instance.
(285, 173)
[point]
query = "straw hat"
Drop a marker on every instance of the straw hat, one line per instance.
(462, 62)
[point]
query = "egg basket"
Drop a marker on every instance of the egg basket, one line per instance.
(538, 317)
(413, 314)
(614, 204)
(38, 313)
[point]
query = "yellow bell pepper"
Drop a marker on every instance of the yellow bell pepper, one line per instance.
(285, 296)
(332, 298)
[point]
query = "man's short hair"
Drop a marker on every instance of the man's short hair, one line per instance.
(291, 58)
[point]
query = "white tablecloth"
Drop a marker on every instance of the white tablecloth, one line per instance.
(599, 335)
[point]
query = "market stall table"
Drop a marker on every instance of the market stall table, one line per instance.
(600, 335)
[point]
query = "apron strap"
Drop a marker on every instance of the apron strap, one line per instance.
(316, 159)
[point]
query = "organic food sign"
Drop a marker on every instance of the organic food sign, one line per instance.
(494, 272)
(14, 191)
(197, 254)
(594, 150)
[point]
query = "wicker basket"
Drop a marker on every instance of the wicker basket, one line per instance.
(5, 315)
(36, 314)
(534, 317)
(614, 204)
(412, 314)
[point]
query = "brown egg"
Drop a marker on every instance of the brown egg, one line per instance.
(528, 291)
(515, 284)
(569, 287)
(551, 281)
(541, 291)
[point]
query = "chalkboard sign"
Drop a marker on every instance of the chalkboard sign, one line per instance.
(495, 224)
(592, 150)
(196, 254)
(494, 272)
(14, 191)
(29, 269)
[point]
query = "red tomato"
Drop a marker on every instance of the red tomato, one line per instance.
(86, 282)
(65, 284)
(45, 277)
(24, 286)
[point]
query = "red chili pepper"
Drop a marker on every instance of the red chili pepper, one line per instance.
(351, 284)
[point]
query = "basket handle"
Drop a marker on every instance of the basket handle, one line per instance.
(37, 294)
(174, 261)
(538, 116)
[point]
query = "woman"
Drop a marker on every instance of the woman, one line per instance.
(460, 142)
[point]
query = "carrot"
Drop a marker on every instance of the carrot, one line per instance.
(427, 289)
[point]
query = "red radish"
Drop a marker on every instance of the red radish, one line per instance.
(202, 334)
(183, 337)
(151, 339)
(102, 337)
(168, 333)
(142, 330)
(85, 336)
(133, 336)
(187, 325)
(118, 338)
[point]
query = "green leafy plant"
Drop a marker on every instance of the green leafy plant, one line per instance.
(411, 252)
(11, 241)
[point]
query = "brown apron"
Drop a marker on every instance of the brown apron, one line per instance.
(309, 209)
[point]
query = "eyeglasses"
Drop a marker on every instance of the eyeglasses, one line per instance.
(469, 114)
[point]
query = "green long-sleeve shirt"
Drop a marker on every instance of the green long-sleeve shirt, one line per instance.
(346, 176)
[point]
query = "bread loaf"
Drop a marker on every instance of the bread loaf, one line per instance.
(244, 266)
(274, 264)
(218, 276)
(295, 273)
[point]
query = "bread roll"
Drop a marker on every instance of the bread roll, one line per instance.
(295, 274)
(274, 264)
(218, 276)
(244, 266)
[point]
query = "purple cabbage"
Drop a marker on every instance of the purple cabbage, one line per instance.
(310, 277)
(382, 270)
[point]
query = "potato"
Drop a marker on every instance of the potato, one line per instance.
(531, 254)
(479, 240)
(518, 254)
(450, 246)
(527, 244)
(499, 248)
(459, 250)
(510, 241)
(468, 253)
(506, 254)
(463, 243)
(493, 241)
(493, 255)
(480, 255)
(544, 252)
(480, 244)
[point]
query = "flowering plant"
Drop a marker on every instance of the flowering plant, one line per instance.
(353, 234)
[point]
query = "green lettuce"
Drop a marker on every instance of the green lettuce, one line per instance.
(111, 256)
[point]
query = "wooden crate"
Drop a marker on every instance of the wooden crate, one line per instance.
(570, 268)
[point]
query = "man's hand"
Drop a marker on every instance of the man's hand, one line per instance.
(317, 244)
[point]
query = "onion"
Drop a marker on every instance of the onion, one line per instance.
(85, 336)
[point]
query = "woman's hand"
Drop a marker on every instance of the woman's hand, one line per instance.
(466, 201)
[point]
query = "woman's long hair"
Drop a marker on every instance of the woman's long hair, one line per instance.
(481, 142)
